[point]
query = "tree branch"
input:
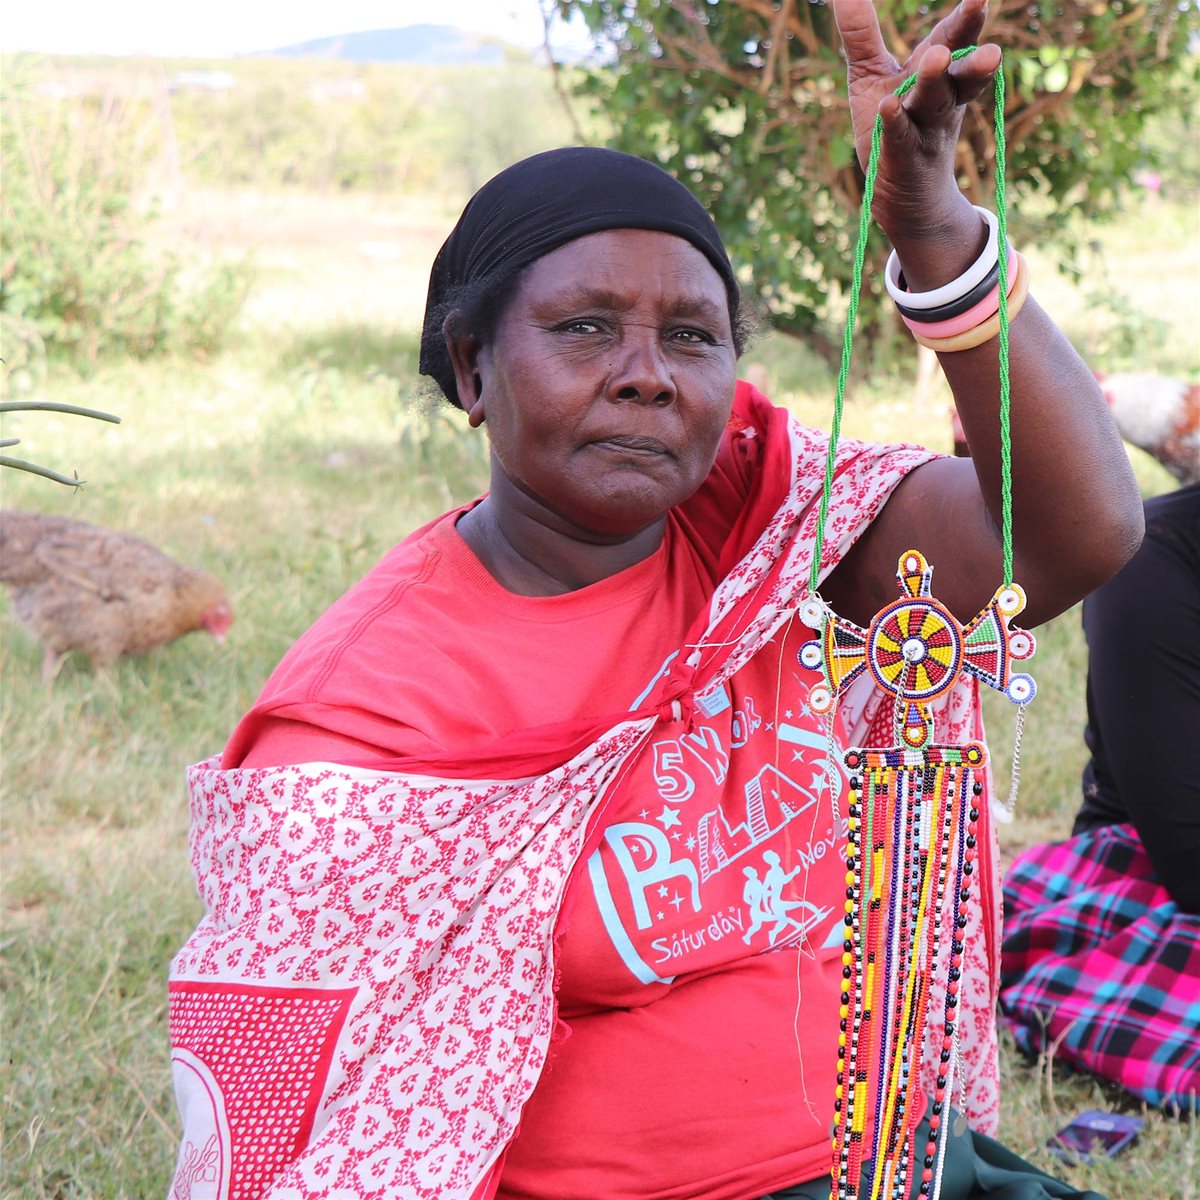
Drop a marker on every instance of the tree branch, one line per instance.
(547, 10)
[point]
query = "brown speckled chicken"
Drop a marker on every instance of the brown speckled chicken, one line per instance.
(80, 587)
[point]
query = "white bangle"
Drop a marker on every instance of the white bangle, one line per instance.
(956, 288)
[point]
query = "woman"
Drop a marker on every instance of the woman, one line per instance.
(549, 772)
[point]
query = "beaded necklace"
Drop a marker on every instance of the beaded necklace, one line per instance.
(913, 813)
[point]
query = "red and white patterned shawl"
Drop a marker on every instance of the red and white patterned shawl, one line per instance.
(369, 1000)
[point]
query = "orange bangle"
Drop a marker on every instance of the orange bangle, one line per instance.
(971, 338)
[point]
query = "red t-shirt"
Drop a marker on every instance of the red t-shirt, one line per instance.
(709, 910)
(700, 944)
(428, 655)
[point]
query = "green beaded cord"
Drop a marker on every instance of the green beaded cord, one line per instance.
(860, 250)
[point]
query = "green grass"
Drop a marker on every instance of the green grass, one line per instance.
(288, 471)
(288, 466)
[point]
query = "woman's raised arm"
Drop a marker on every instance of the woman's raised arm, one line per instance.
(1076, 509)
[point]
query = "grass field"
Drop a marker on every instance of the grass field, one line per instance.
(288, 465)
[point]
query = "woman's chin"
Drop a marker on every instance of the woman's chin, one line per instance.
(622, 501)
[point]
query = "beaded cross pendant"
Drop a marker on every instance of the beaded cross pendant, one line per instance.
(910, 855)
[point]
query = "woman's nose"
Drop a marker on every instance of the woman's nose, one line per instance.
(641, 373)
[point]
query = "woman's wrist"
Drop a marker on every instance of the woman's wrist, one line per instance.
(932, 252)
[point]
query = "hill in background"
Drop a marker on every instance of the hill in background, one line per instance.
(428, 45)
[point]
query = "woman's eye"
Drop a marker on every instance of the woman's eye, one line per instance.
(692, 337)
(581, 325)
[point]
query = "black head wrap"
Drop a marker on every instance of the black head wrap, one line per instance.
(542, 202)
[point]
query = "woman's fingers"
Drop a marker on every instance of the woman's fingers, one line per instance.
(959, 28)
(973, 73)
(930, 110)
(862, 39)
(944, 85)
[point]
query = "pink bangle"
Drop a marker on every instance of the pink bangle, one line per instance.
(991, 327)
(973, 316)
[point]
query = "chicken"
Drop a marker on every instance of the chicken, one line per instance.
(80, 587)
(1160, 415)
(1156, 413)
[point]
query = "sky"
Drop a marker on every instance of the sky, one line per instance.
(220, 28)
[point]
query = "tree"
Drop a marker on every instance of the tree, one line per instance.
(745, 101)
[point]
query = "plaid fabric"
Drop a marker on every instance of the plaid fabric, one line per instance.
(1098, 959)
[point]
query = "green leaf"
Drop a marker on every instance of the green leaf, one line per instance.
(1056, 77)
(841, 152)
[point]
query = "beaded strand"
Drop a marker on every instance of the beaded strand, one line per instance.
(925, 805)
(965, 867)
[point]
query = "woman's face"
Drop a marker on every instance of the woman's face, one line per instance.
(609, 380)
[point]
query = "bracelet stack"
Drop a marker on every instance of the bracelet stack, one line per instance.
(965, 312)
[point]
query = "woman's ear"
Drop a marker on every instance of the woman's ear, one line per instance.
(465, 351)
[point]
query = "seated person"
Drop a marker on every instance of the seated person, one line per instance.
(1102, 932)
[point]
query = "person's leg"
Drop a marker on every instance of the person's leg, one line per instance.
(1143, 691)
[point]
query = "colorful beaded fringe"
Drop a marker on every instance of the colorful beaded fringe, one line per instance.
(912, 826)
(904, 806)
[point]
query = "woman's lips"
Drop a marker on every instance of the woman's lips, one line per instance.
(630, 442)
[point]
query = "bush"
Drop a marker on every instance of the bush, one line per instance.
(746, 103)
(74, 261)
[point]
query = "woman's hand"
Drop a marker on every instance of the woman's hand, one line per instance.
(916, 194)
